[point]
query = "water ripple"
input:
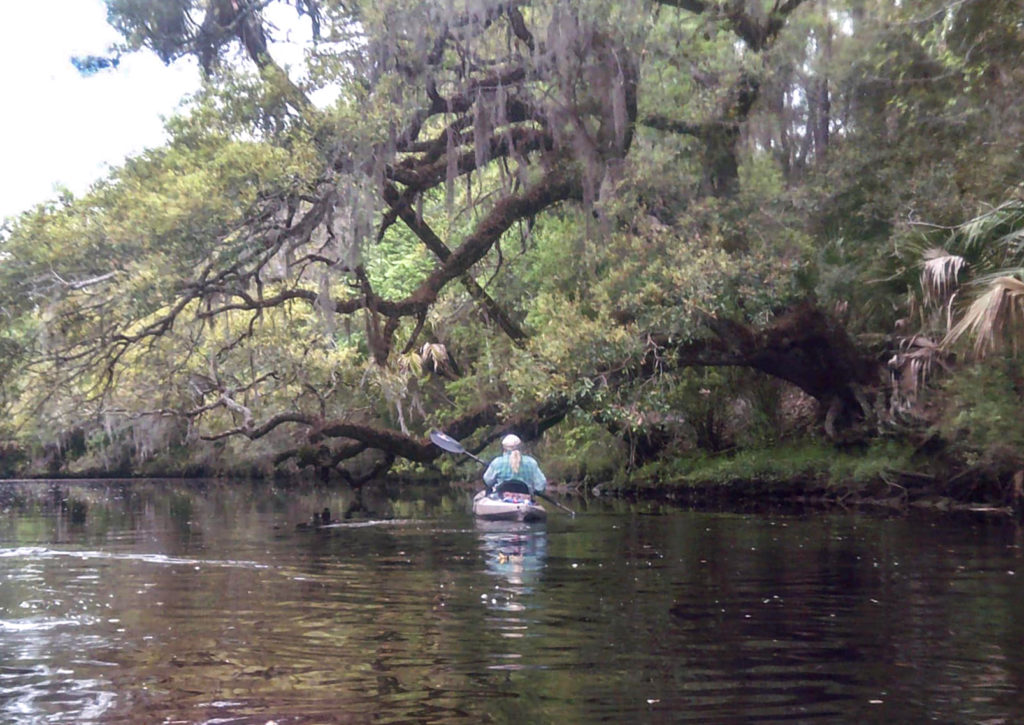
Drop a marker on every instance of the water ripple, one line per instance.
(37, 553)
(201, 608)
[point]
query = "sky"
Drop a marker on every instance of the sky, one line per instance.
(59, 129)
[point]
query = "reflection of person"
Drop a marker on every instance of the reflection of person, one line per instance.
(517, 554)
(513, 465)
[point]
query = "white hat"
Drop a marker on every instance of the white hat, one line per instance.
(511, 441)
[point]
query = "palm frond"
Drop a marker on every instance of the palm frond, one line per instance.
(1012, 241)
(435, 354)
(939, 275)
(984, 281)
(909, 370)
(995, 318)
(997, 230)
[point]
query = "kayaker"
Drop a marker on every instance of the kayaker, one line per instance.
(513, 465)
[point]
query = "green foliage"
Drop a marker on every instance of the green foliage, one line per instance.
(983, 407)
(803, 461)
(581, 453)
(398, 263)
(161, 26)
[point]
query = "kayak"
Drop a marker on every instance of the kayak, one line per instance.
(509, 501)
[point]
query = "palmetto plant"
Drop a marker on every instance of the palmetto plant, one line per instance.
(992, 311)
(971, 289)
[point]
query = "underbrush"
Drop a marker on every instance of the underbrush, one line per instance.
(804, 461)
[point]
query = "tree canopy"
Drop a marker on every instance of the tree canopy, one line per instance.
(614, 217)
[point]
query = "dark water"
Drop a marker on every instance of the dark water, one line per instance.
(171, 602)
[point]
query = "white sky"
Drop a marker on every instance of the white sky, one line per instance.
(58, 128)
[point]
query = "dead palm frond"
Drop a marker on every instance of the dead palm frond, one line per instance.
(994, 319)
(910, 368)
(940, 271)
(434, 354)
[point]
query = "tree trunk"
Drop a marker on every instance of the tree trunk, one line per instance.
(803, 347)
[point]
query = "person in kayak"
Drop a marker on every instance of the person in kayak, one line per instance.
(512, 464)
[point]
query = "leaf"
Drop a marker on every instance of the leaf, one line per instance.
(939, 273)
(994, 319)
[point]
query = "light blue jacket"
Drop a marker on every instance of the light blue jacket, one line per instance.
(529, 472)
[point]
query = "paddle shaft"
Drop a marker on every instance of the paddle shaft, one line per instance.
(553, 501)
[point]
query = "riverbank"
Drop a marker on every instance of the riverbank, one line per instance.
(884, 474)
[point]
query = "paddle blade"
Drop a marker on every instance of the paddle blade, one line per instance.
(448, 443)
(451, 445)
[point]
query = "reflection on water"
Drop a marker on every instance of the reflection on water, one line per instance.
(165, 601)
(515, 552)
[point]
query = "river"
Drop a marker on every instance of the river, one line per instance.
(191, 602)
